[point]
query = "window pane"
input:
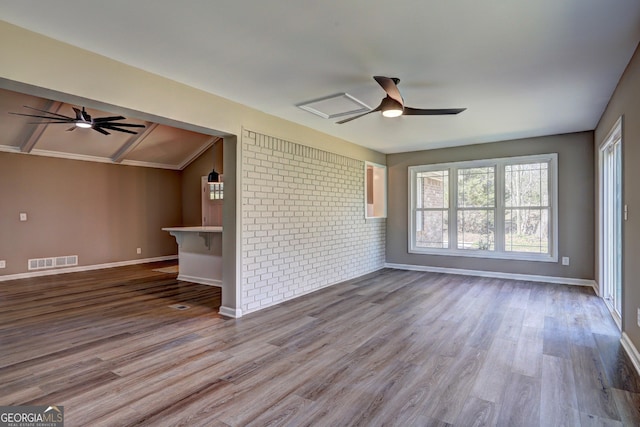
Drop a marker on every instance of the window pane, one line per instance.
(432, 189)
(432, 229)
(527, 185)
(475, 229)
(527, 230)
(476, 188)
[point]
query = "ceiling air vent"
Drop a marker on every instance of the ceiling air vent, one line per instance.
(337, 105)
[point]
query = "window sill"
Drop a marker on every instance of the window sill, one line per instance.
(485, 254)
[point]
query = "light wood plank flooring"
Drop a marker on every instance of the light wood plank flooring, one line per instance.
(393, 348)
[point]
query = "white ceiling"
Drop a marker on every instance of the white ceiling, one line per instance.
(521, 68)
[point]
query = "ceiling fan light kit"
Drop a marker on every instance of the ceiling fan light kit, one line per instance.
(83, 120)
(393, 104)
(391, 107)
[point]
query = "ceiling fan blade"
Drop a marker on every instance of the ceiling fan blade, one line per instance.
(66, 119)
(359, 115)
(124, 125)
(45, 111)
(389, 85)
(108, 119)
(110, 127)
(408, 111)
(52, 121)
(102, 131)
(72, 128)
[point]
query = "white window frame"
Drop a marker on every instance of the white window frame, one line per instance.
(499, 164)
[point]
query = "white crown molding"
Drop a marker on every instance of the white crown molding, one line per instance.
(147, 164)
(85, 268)
(11, 149)
(497, 275)
(85, 158)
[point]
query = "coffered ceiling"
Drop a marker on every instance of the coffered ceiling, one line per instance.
(156, 145)
(521, 68)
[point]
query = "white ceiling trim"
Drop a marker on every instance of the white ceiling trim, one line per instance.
(149, 165)
(85, 158)
(198, 153)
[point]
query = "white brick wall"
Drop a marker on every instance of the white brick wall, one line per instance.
(303, 225)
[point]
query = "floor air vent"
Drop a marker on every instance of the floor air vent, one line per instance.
(53, 262)
(180, 306)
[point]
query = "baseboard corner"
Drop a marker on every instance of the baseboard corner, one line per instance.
(631, 350)
(230, 312)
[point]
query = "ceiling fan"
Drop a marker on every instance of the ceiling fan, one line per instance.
(393, 104)
(84, 120)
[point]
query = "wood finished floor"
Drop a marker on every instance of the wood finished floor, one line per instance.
(393, 348)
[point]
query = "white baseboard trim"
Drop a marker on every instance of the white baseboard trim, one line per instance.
(496, 274)
(200, 280)
(631, 350)
(85, 268)
(230, 312)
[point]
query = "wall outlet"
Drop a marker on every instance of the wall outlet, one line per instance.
(639, 317)
(565, 260)
(139, 251)
(3, 264)
(23, 216)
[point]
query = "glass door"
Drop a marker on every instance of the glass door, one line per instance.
(611, 222)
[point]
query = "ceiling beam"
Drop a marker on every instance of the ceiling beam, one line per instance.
(204, 147)
(32, 139)
(132, 143)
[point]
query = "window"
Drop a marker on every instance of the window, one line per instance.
(526, 214)
(498, 208)
(476, 208)
(432, 209)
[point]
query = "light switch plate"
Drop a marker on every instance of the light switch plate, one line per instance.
(3, 264)
(23, 216)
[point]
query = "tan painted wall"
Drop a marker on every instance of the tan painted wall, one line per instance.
(625, 102)
(575, 213)
(100, 212)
